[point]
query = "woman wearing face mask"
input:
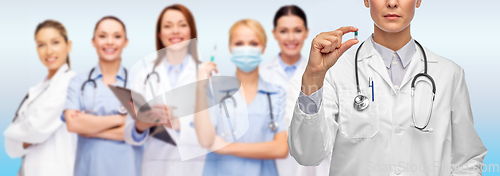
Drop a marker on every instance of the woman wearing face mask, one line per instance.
(37, 133)
(254, 152)
(175, 66)
(93, 112)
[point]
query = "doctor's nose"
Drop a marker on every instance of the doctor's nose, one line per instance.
(290, 36)
(175, 30)
(49, 50)
(392, 3)
(109, 40)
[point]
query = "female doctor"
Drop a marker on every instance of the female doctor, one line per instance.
(174, 67)
(37, 133)
(396, 105)
(93, 112)
(254, 153)
(286, 69)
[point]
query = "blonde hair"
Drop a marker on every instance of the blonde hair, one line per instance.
(252, 24)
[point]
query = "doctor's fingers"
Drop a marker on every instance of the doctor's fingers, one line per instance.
(346, 29)
(210, 66)
(335, 40)
(346, 45)
(319, 44)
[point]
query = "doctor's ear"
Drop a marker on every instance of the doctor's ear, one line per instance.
(418, 3)
(274, 34)
(367, 4)
(263, 49)
(93, 42)
(126, 43)
(69, 44)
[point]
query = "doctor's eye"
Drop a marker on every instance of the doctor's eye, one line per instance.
(41, 45)
(184, 25)
(118, 36)
(102, 36)
(166, 26)
(298, 31)
(254, 43)
(238, 43)
(55, 42)
(283, 31)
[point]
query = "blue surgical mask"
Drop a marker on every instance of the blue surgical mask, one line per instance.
(246, 58)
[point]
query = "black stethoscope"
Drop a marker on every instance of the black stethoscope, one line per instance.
(153, 72)
(121, 109)
(361, 101)
(273, 125)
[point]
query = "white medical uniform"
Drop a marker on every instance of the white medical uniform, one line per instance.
(381, 140)
(39, 123)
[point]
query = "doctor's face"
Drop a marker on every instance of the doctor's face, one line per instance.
(52, 48)
(244, 36)
(109, 40)
(290, 33)
(174, 30)
(392, 15)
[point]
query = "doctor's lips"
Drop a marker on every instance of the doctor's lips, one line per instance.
(174, 40)
(51, 59)
(392, 16)
(109, 50)
(291, 46)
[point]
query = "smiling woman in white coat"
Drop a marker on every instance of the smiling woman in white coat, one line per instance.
(286, 69)
(175, 65)
(388, 107)
(37, 133)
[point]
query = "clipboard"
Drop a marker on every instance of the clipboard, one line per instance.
(125, 95)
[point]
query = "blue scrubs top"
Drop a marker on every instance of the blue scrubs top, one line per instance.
(258, 131)
(96, 156)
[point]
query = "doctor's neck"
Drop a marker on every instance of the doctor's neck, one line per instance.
(175, 57)
(52, 72)
(250, 78)
(109, 69)
(392, 40)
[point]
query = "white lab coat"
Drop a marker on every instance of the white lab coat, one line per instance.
(161, 158)
(39, 123)
(380, 140)
(274, 73)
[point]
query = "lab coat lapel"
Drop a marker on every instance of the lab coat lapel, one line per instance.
(301, 67)
(416, 66)
(375, 61)
(187, 73)
(35, 91)
(276, 63)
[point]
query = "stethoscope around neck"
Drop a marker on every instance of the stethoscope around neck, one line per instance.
(361, 102)
(121, 109)
(273, 125)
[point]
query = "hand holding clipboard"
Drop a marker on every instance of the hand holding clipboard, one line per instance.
(147, 117)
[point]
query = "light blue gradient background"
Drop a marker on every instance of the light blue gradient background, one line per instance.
(465, 31)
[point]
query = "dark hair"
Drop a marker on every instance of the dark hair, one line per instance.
(190, 20)
(290, 10)
(111, 18)
(56, 25)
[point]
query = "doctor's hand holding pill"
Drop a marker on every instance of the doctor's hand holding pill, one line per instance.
(385, 107)
(326, 49)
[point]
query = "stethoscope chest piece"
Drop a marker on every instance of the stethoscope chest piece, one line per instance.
(361, 102)
(122, 110)
(273, 125)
